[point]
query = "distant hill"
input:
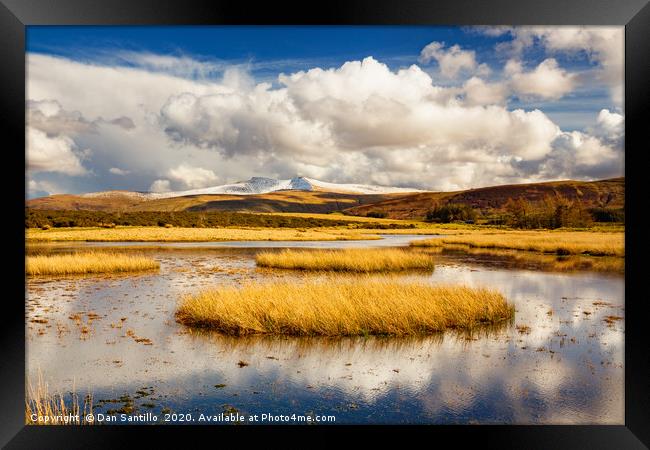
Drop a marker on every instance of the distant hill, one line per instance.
(113, 201)
(262, 185)
(278, 201)
(605, 193)
(407, 205)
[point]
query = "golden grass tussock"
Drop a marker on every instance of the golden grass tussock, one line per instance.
(177, 234)
(43, 408)
(349, 260)
(88, 262)
(558, 242)
(343, 306)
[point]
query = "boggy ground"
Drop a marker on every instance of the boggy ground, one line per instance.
(561, 361)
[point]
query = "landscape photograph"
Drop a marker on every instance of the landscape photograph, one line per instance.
(293, 225)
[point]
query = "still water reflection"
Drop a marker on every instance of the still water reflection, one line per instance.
(559, 362)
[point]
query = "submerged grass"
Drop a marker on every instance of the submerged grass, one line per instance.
(555, 263)
(557, 242)
(537, 261)
(348, 260)
(343, 306)
(87, 262)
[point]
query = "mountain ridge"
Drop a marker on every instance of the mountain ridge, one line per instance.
(263, 185)
(609, 193)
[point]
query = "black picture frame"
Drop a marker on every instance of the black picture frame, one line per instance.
(15, 15)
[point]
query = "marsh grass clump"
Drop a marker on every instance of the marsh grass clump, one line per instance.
(178, 234)
(358, 305)
(87, 262)
(43, 408)
(348, 260)
(556, 242)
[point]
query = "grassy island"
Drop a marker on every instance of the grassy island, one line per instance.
(343, 306)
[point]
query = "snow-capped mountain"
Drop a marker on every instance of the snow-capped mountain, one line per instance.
(262, 185)
(357, 188)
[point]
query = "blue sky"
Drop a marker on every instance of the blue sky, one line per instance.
(236, 43)
(568, 74)
(270, 50)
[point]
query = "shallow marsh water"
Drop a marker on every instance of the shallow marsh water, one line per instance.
(560, 361)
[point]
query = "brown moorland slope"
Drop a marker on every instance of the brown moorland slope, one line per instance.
(287, 201)
(292, 201)
(605, 193)
(114, 202)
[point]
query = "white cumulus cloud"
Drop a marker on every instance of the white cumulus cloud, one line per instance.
(193, 177)
(160, 186)
(480, 92)
(52, 154)
(610, 127)
(35, 187)
(359, 122)
(546, 81)
(451, 60)
(118, 171)
(604, 46)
